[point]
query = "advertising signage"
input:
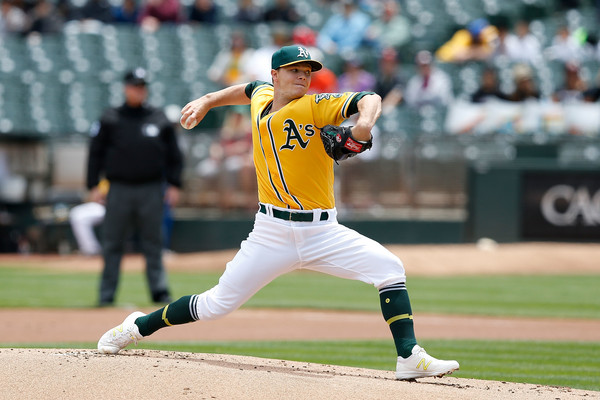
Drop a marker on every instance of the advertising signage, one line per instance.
(560, 205)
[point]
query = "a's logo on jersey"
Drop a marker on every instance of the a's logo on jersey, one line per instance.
(293, 134)
(326, 96)
(302, 52)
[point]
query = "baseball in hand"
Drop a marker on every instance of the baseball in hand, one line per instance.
(187, 122)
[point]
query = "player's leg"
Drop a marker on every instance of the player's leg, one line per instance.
(167, 227)
(83, 218)
(342, 252)
(339, 251)
(116, 228)
(267, 253)
(149, 215)
(262, 257)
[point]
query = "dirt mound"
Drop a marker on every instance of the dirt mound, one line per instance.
(143, 374)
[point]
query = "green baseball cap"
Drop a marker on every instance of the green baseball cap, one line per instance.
(293, 54)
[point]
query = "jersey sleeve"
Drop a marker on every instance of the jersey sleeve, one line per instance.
(353, 107)
(253, 86)
(335, 108)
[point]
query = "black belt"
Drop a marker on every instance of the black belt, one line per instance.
(294, 216)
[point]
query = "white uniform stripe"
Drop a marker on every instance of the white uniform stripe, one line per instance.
(389, 288)
(194, 307)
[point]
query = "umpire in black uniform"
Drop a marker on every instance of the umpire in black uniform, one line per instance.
(135, 147)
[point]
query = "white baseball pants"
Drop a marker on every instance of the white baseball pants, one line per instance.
(83, 218)
(275, 247)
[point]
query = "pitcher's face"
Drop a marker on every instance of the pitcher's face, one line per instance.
(292, 81)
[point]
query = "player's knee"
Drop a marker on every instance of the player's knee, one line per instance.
(211, 306)
(392, 272)
(392, 263)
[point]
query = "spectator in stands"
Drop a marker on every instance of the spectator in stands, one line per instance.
(525, 87)
(99, 10)
(568, 4)
(228, 66)
(592, 94)
(307, 37)
(430, 86)
(127, 12)
(259, 67)
(13, 18)
(283, 11)
(248, 12)
(66, 10)
(391, 29)
(355, 78)
(476, 42)
(323, 80)
(488, 88)
(204, 12)
(344, 32)
(156, 12)
(573, 87)
(389, 84)
(45, 18)
(521, 46)
(501, 50)
(564, 47)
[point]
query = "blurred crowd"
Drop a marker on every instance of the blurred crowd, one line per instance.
(365, 43)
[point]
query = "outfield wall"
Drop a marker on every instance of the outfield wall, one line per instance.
(534, 199)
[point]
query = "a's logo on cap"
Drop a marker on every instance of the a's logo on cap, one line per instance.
(302, 52)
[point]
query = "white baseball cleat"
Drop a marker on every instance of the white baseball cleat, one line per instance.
(421, 365)
(121, 336)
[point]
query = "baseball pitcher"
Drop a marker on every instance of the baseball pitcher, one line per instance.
(296, 140)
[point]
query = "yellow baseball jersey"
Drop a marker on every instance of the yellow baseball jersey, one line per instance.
(292, 168)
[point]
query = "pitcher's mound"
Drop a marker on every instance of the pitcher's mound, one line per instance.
(144, 374)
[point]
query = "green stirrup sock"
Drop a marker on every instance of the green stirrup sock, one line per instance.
(395, 306)
(176, 313)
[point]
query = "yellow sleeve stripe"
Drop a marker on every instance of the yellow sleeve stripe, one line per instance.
(399, 317)
(164, 315)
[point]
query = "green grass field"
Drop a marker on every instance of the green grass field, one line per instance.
(531, 296)
(571, 364)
